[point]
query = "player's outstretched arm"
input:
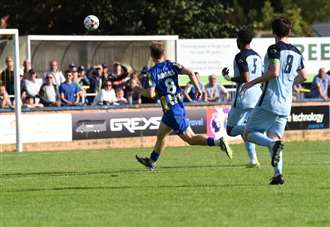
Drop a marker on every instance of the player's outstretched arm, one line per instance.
(193, 80)
(243, 78)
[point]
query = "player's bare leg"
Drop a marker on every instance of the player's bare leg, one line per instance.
(150, 162)
(162, 132)
(193, 139)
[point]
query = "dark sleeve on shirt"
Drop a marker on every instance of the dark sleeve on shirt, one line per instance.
(301, 65)
(241, 64)
(177, 67)
(273, 53)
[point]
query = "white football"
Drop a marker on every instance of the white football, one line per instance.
(91, 22)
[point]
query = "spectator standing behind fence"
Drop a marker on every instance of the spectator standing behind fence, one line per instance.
(7, 76)
(119, 76)
(4, 98)
(215, 91)
(30, 90)
(49, 94)
(26, 68)
(320, 86)
(189, 93)
(56, 72)
(105, 71)
(133, 89)
(107, 95)
(69, 91)
(83, 82)
(82, 77)
(95, 82)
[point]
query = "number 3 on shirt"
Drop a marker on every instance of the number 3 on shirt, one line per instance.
(170, 86)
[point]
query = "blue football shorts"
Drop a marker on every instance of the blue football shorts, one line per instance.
(176, 120)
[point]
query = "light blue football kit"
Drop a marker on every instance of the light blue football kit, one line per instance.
(249, 61)
(272, 111)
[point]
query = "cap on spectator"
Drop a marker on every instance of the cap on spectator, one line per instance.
(104, 66)
(73, 68)
(81, 68)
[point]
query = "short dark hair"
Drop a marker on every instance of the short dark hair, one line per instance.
(281, 26)
(67, 72)
(245, 36)
(157, 50)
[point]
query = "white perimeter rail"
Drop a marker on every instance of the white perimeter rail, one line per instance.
(17, 85)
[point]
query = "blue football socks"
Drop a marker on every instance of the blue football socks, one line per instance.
(210, 141)
(154, 156)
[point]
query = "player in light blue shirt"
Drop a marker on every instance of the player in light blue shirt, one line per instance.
(163, 83)
(247, 66)
(283, 62)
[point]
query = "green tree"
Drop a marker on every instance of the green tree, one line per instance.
(267, 15)
(293, 12)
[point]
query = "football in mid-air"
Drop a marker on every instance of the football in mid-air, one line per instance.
(91, 22)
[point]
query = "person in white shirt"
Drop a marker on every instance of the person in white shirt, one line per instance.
(30, 90)
(107, 95)
(56, 72)
(215, 91)
(49, 94)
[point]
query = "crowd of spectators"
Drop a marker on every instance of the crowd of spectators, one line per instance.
(117, 85)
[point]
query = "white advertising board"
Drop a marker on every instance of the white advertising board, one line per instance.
(208, 56)
(37, 128)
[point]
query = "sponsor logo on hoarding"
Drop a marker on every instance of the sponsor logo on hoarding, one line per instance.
(308, 117)
(134, 124)
(114, 124)
(217, 122)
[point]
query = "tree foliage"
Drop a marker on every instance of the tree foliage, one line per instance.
(186, 18)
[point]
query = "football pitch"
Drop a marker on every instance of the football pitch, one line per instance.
(192, 186)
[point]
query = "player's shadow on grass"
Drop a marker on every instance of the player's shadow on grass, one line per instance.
(131, 187)
(112, 173)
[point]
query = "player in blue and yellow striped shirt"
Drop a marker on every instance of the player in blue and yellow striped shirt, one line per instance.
(163, 83)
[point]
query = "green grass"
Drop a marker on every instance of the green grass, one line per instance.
(191, 187)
